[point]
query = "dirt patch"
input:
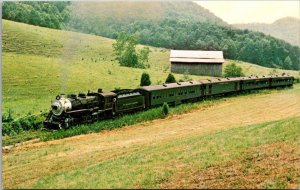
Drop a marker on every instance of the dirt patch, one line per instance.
(269, 166)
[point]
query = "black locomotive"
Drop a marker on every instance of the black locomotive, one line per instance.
(84, 108)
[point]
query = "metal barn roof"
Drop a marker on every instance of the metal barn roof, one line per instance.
(189, 56)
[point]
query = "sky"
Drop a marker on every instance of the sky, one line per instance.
(234, 12)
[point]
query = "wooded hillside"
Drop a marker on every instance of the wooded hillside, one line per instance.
(287, 29)
(174, 25)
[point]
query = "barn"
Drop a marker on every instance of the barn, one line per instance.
(207, 63)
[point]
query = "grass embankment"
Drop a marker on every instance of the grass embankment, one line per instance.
(257, 156)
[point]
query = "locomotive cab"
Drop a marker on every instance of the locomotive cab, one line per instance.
(106, 100)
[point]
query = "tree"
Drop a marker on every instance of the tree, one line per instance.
(126, 53)
(165, 109)
(288, 63)
(232, 70)
(170, 78)
(145, 80)
(47, 14)
(143, 56)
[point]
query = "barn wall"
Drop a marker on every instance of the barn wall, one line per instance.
(206, 69)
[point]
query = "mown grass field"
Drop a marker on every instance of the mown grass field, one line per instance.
(39, 63)
(243, 142)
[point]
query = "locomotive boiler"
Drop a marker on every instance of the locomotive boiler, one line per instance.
(86, 108)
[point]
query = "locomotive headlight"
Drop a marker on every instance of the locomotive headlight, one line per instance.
(61, 105)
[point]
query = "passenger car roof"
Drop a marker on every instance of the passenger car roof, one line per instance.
(185, 84)
(170, 85)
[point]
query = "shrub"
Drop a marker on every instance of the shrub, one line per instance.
(29, 122)
(273, 72)
(186, 76)
(165, 109)
(170, 78)
(232, 70)
(296, 80)
(7, 117)
(7, 129)
(145, 80)
(158, 82)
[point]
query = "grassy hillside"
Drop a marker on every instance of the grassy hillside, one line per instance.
(39, 63)
(167, 24)
(214, 146)
(287, 29)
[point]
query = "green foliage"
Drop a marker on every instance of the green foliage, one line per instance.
(29, 122)
(126, 53)
(186, 77)
(165, 109)
(273, 72)
(296, 80)
(144, 55)
(145, 80)
(47, 14)
(7, 117)
(170, 78)
(232, 70)
(276, 184)
(288, 63)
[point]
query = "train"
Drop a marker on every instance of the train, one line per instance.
(72, 109)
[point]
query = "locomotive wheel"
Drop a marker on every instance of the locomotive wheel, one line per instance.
(67, 122)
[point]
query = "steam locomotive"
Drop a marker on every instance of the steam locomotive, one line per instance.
(75, 109)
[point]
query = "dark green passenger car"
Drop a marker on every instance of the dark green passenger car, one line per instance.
(255, 82)
(282, 80)
(173, 93)
(220, 86)
(129, 102)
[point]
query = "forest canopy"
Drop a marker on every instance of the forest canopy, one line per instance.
(46, 14)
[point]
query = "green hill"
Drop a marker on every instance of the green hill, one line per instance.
(39, 63)
(131, 11)
(287, 29)
(167, 24)
(57, 14)
(173, 26)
